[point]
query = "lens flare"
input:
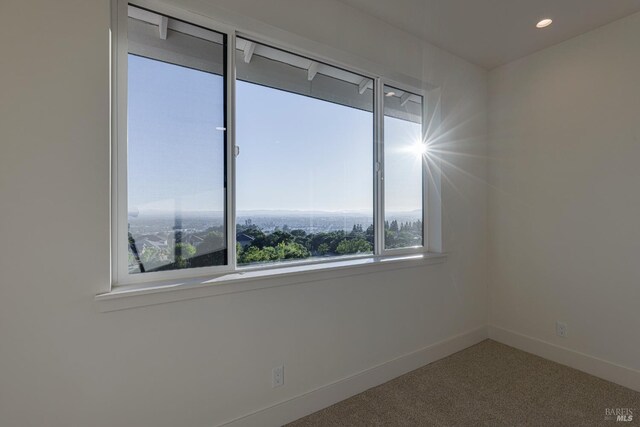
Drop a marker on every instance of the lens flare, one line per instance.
(419, 149)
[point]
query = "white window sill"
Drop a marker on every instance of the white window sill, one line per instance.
(139, 295)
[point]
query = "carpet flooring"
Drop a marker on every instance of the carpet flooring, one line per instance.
(488, 384)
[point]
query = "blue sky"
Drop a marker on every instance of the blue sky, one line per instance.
(300, 153)
(296, 152)
(175, 152)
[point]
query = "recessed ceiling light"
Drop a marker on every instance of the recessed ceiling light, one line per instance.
(390, 94)
(544, 23)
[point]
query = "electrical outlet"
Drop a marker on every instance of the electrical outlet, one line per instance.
(561, 329)
(277, 376)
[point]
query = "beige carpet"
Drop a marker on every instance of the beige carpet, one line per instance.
(489, 384)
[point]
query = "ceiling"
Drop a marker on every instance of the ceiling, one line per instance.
(493, 32)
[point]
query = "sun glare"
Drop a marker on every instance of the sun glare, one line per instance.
(419, 149)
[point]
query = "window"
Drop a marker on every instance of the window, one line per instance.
(304, 175)
(404, 155)
(230, 153)
(175, 145)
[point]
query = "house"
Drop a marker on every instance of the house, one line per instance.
(244, 239)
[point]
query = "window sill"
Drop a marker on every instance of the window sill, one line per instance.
(139, 295)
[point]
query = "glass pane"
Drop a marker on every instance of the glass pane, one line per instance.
(305, 170)
(176, 152)
(404, 152)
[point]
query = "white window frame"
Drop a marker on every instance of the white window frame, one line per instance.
(382, 250)
(431, 219)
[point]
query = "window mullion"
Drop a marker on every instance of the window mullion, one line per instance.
(231, 150)
(379, 166)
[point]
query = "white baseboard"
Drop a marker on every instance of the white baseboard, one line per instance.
(609, 371)
(327, 395)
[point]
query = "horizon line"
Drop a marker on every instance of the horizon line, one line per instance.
(270, 211)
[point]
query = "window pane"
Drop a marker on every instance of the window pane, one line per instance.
(403, 171)
(176, 146)
(305, 170)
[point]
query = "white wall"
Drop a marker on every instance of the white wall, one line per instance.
(564, 200)
(205, 361)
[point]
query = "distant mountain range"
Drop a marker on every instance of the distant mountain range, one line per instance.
(271, 213)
